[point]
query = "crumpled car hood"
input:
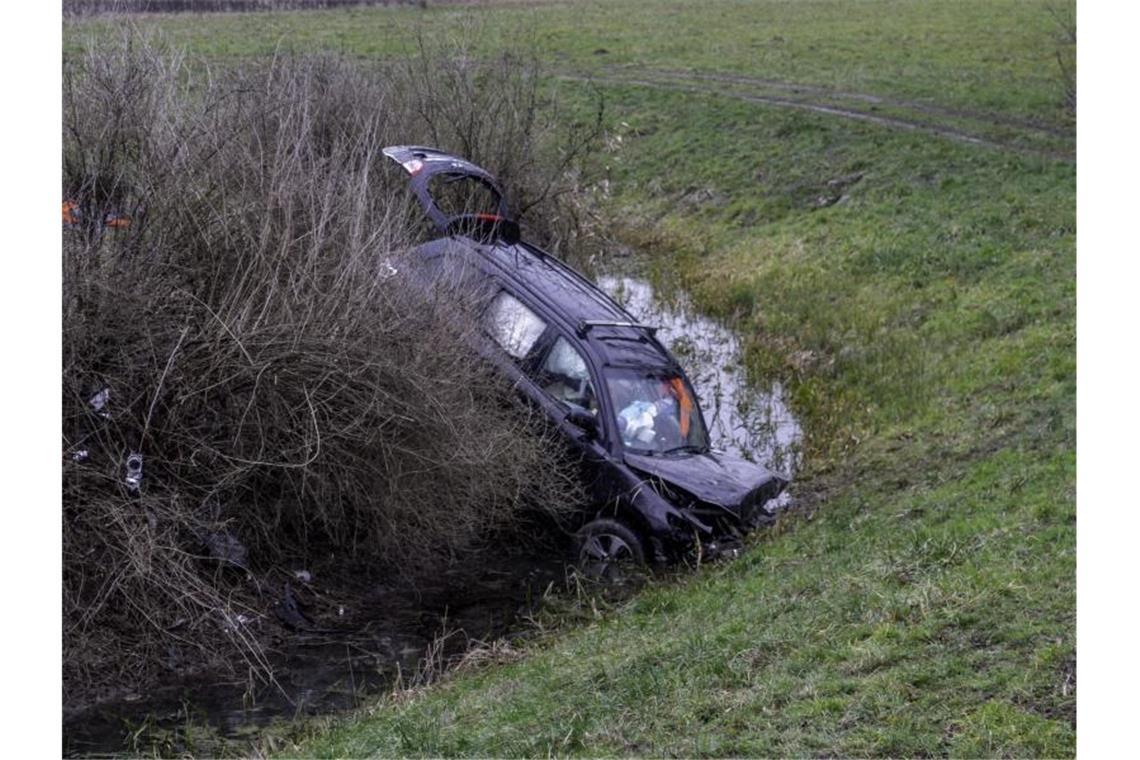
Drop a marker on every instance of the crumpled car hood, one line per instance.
(716, 477)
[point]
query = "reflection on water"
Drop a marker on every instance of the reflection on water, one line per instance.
(753, 422)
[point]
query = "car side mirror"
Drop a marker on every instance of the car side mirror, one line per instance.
(581, 418)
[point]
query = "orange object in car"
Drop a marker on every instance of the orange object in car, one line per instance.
(685, 401)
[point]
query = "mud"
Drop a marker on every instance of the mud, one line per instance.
(360, 645)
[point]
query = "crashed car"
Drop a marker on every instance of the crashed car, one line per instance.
(621, 401)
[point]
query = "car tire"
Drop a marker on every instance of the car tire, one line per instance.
(606, 549)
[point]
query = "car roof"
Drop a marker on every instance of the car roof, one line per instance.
(596, 321)
(565, 296)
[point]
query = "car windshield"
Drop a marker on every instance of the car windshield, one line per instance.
(656, 411)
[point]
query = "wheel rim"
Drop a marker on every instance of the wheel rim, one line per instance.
(602, 554)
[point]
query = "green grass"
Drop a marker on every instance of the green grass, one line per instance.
(893, 623)
(917, 297)
(995, 55)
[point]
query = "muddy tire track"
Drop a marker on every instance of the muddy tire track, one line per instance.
(933, 109)
(817, 99)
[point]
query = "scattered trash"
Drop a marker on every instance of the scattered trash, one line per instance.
(303, 575)
(73, 217)
(80, 456)
(387, 271)
(99, 401)
(116, 221)
(134, 471)
(71, 214)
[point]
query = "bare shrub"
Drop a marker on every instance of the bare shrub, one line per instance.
(498, 112)
(291, 396)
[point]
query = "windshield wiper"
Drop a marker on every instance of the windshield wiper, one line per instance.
(687, 447)
(643, 452)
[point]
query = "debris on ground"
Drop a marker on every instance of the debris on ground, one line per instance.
(99, 402)
(134, 472)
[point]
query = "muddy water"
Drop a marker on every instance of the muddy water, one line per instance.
(744, 419)
(367, 644)
(385, 638)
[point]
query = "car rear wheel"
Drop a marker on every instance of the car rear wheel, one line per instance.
(607, 550)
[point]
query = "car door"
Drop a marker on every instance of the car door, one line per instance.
(569, 384)
(553, 374)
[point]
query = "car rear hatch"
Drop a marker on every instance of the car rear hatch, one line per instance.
(456, 195)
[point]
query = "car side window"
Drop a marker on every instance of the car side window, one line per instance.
(566, 377)
(513, 326)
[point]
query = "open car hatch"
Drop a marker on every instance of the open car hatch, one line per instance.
(458, 197)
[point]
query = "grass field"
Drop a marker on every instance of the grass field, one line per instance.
(895, 239)
(993, 56)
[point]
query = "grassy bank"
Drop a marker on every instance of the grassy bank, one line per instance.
(926, 328)
(914, 291)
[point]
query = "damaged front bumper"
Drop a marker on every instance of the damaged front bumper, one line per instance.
(709, 530)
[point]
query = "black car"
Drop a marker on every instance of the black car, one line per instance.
(621, 400)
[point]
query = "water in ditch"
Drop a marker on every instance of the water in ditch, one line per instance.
(751, 421)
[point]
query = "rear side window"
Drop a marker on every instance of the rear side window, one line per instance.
(513, 326)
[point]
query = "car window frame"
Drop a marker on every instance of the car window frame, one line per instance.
(449, 177)
(528, 368)
(606, 431)
(544, 356)
(610, 370)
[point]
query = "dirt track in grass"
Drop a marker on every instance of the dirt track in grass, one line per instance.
(986, 129)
